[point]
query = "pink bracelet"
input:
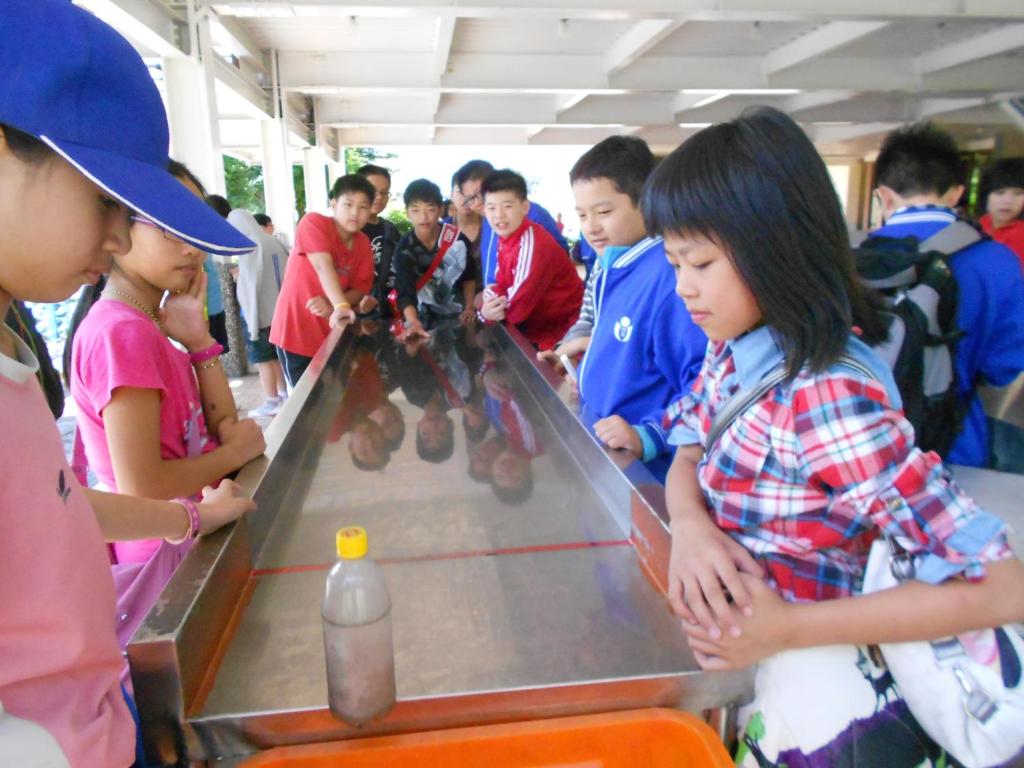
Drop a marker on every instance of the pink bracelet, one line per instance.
(206, 354)
(194, 523)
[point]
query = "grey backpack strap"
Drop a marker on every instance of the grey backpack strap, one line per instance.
(739, 402)
(745, 398)
(951, 239)
(851, 362)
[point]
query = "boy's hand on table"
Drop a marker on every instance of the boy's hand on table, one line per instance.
(413, 329)
(615, 432)
(319, 306)
(343, 313)
(366, 304)
(493, 309)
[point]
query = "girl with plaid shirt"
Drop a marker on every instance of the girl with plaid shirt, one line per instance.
(771, 526)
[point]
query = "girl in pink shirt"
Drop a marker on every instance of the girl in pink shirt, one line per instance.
(67, 185)
(156, 421)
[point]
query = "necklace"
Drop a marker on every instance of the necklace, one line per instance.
(136, 303)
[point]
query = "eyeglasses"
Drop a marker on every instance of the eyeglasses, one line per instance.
(473, 199)
(138, 219)
(383, 195)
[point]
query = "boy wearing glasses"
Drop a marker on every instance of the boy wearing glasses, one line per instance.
(384, 237)
(469, 180)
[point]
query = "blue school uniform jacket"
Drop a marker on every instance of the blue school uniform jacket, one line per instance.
(489, 241)
(645, 349)
(990, 312)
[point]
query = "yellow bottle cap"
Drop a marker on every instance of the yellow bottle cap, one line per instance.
(351, 542)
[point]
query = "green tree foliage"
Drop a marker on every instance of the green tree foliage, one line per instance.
(356, 157)
(399, 219)
(299, 182)
(244, 184)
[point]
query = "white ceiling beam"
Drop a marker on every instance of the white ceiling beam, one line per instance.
(535, 111)
(238, 39)
(644, 109)
(816, 99)
(443, 43)
(1014, 109)
(746, 73)
(616, 10)
(416, 108)
(829, 37)
(684, 101)
(931, 107)
(401, 73)
(149, 24)
(312, 71)
(636, 41)
(242, 86)
(562, 71)
(384, 135)
(565, 102)
(999, 40)
(498, 110)
(836, 133)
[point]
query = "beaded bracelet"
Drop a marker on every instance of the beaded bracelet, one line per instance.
(207, 365)
(214, 350)
(194, 523)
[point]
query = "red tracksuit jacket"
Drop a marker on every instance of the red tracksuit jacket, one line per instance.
(538, 278)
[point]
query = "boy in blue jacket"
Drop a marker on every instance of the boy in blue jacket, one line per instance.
(919, 178)
(644, 348)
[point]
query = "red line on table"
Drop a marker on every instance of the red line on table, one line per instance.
(527, 550)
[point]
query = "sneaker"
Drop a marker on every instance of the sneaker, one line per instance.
(269, 408)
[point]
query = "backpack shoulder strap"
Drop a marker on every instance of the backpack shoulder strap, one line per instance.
(739, 402)
(745, 398)
(951, 239)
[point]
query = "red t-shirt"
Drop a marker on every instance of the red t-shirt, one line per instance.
(1011, 235)
(294, 328)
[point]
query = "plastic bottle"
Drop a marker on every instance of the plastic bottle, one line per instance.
(356, 614)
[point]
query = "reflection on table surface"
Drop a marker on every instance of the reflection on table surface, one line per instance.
(509, 571)
(437, 447)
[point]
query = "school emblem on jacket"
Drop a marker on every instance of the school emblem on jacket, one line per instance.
(623, 328)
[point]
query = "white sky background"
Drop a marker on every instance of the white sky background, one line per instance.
(545, 168)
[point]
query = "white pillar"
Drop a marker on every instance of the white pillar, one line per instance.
(334, 170)
(278, 185)
(314, 167)
(192, 109)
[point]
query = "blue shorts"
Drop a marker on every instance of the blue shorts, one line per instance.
(261, 350)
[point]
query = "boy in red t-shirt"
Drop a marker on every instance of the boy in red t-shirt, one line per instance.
(328, 273)
(537, 288)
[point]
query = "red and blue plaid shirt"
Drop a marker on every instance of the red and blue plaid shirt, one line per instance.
(806, 477)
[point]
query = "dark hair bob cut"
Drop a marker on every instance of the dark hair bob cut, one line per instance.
(1000, 174)
(757, 188)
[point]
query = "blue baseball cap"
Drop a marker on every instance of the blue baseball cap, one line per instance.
(74, 83)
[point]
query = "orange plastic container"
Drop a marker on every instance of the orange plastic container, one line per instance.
(644, 738)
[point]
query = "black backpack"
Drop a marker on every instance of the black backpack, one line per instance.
(915, 279)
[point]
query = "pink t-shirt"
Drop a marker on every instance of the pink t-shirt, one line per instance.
(119, 346)
(59, 659)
